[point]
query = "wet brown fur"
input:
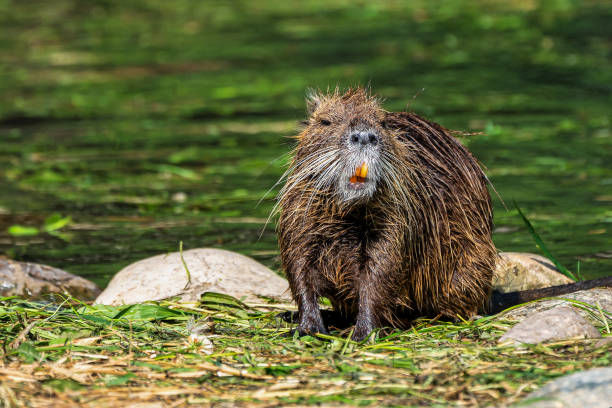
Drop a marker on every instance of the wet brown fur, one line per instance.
(420, 245)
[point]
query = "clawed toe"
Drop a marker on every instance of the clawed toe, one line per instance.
(311, 331)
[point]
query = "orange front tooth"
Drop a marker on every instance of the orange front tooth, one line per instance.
(364, 170)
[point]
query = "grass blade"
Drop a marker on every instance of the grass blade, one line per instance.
(542, 247)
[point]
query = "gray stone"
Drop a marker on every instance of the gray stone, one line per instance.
(516, 271)
(596, 298)
(212, 270)
(559, 323)
(34, 281)
(601, 343)
(591, 388)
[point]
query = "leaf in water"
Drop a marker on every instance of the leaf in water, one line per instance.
(240, 193)
(50, 176)
(112, 380)
(62, 235)
(188, 154)
(55, 222)
(22, 231)
(225, 92)
(178, 171)
(493, 130)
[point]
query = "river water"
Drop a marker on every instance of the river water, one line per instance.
(148, 125)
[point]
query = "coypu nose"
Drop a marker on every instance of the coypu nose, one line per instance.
(363, 138)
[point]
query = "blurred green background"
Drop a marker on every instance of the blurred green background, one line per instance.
(126, 127)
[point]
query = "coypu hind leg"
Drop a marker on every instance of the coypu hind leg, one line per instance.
(468, 292)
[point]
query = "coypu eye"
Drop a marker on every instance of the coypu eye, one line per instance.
(325, 122)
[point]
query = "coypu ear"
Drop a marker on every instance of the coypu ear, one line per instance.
(385, 120)
(313, 100)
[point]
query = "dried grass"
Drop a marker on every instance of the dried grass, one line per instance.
(144, 356)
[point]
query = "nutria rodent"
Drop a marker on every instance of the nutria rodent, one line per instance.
(388, 216)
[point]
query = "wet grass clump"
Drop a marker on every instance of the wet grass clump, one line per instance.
(223, 352)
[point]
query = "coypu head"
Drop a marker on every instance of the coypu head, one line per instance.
(344, 148)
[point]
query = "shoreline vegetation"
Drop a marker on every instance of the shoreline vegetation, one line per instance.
(221, 351)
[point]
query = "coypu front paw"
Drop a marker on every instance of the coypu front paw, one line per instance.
(366, 323)
(361, 332)
(311, 327)
(311, 331)
(330, 318)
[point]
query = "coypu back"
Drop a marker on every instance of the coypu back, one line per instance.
(456, 218)
(386, 214)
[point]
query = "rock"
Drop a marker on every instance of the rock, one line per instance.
(559, 323)
(516, 271)
(212, 270)
(33, 281)
(591, 388)
(593, 297)
(601, 343)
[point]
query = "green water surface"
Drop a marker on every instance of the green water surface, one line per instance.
(149, 123)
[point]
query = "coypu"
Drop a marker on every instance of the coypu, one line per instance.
(387, 215)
